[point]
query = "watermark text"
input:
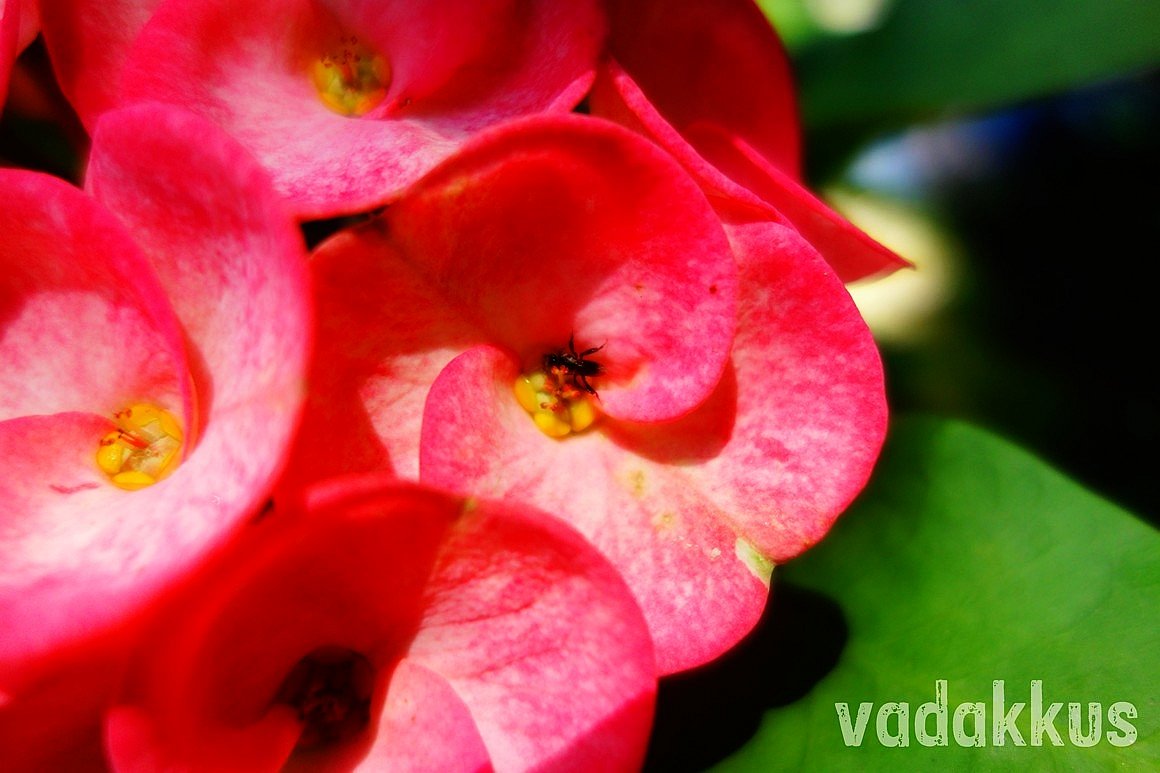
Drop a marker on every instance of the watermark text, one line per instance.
(935, 723)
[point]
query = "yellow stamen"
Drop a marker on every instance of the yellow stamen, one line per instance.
(581, 414)
(143, 449)
(557, 407)
(352, 80)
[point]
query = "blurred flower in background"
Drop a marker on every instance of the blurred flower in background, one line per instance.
(344, 103)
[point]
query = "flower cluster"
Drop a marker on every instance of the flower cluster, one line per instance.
(574, 369)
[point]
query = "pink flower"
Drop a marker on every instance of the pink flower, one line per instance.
(154, 334)
(344, 102)
(394, 628)
(737, 400)
(727, 113)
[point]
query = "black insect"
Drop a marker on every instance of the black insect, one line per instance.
(574, 365)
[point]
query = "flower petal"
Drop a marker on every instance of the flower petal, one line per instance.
(87, 331)
(208, 671)
(132, 743)
(422, 706)
(384, 333)
(513, 610)
(481, 61)
(29, 26)
(694, 512)
(88, 42)
(9, 24)
(51, 720)
(728, 115)
(793, 432)
(542, 640)
(852, 253)
(739, 78)
(679, 556)
(86, 323)
(455, 68)
(60, 514)
(89, 555)
(233, 264)
(560, 226)
(541, 230)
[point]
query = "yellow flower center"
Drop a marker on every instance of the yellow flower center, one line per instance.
(143, 449)
(352, 80)
(556, 404)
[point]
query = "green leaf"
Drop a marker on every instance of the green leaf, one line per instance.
(934, 56)
(970, 561)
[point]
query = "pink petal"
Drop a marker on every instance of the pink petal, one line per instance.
(87, 331)
(9, 24)
(422, 706)
(86, 324)
(852, 253)
(233, 264)
(209, 668)
(60, 512)
(793, 432)
(52, 720)
(711, 61)
(231, 261)
(29, 26)
(587, 230)
(457, 67)
(679, 557)
(384, 333)
(543, 642)
(617, 97)
(407, 578)
(694, 512)
(483, 61)
(728, 114)
(563, 225)
(88, 42)
(132, 743)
